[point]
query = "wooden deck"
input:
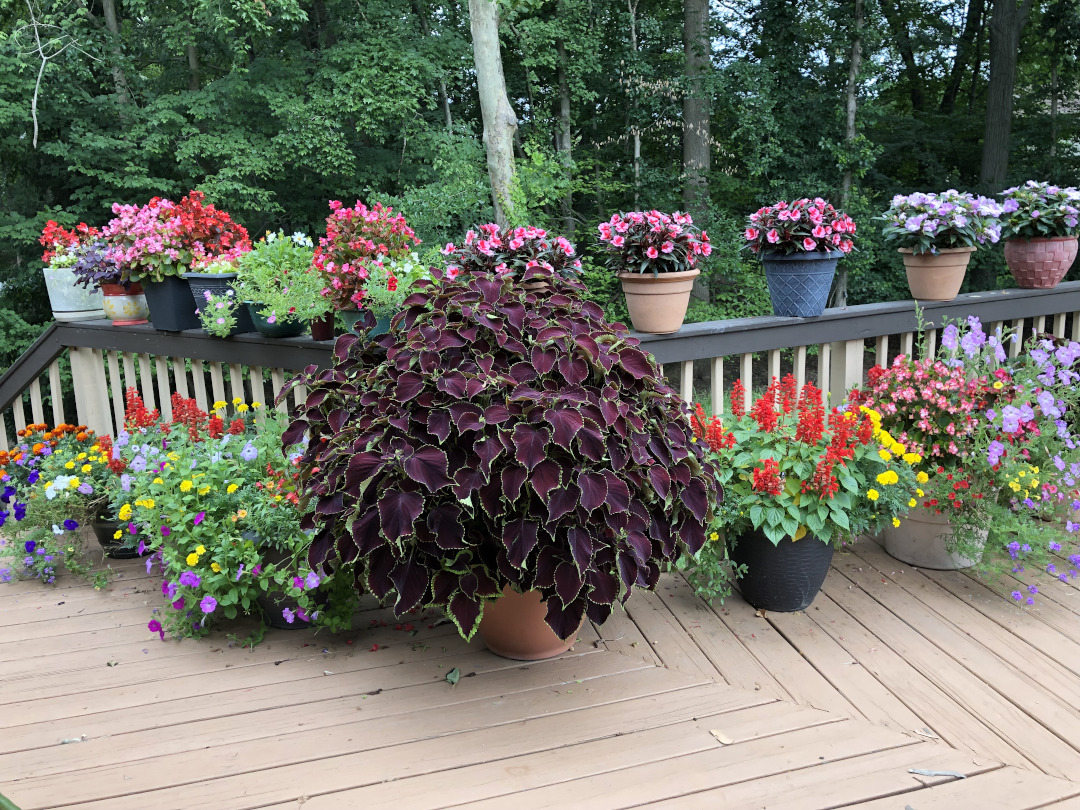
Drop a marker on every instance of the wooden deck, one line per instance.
(672, 704)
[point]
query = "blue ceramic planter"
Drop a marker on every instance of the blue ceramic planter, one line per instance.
(799, 283)
(350, 317)
(280, 328)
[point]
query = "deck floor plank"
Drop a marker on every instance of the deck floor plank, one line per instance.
(1002, 789)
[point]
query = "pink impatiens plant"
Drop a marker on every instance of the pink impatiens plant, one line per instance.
(800, 226)
(652, 242)
(523, 252)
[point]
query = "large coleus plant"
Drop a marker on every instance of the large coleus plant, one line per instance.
(495, 437)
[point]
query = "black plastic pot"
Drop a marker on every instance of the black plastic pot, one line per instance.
(784, 577)
(219, 284)
(105, 531)
(172, 309)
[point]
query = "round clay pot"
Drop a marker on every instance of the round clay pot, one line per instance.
(784, 577)
(657, 304)
(922, 540)
(124, 306)
(936, 276)
(1040, 263)
(513, 626)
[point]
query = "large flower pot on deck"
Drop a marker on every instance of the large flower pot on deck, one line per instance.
(936, 276)
(657, 304)
(923, 538)
(799, 283)
(784, 577)
(172, 309)
(1040, 264)
(513, 626)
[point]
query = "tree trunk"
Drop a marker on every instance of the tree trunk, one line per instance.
(565, 139)
(325, 31)
(1006, 24)
(635, 132)
(976, 69)
(696, 136)
(898, 29)
(964, 48)
(123, 93)
(838, 298)
(1053, 110)
(194, 75)
(444, 98)
(500, 122)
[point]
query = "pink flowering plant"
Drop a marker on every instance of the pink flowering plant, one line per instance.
(527, 253)
(652, 242)
(800, 226)
(927, 223)
(1039, 210)
(356, 237)
(990, 439)
(163, 238)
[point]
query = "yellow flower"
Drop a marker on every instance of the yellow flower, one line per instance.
(912, 458)
(886, 439)
(898, 449)
(895, 521)
(998, 385)
(158, 480)
(241, 513)
(888, 477)
(125, 512)
(173, 457)
(919, 492)
(73, 483)
(1034, 469)
(81, 456)
(146, 502)
(922, 477)
(193, 559)
(200, 549)
(215, 568)
(203, 490)
(1034, 482)
(885, 454)
(220, 404)
(256, 405)
(117, 534)
(1014, 486)
(232, 488)
(693, 439)
(185, 486)
(873, 494)
(714, 536)
(70, 465)
(913, 503)
(242, 408)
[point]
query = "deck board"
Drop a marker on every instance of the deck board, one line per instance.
(674, 703)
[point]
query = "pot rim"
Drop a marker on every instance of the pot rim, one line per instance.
(966, 249)
(1072, 238)
(225, 276)
(805, 256)
(677, 275)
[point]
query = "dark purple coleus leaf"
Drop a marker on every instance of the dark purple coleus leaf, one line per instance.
(397, 512)
(530, 444)
(411, 583)
(565, 424)
(519, 538)
(545, 476)
(565, 621)
(465, 612)
(444, 521)
(635, 362)
(580, 547)
(512, 480)
(567, 582)
(563, 500)
(594, 490)
(438, 422)
(409, 385)
(660, 480)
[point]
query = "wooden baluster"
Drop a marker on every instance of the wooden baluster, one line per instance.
(846, 368)
(746, 377)
(163, 387)
(130, 380)
(686, 381)
(56, 393)
(1076, 326)
(299, 393)
(91, 392)
(19, 414)
(116, 384)
(236, 382)
(774, 364)
(146, 380)
(217, 382)
(277, 382)
(823, 361)
(1040, 324)
(799, 363)
(36, 408)
(198, 383)
(930, 338)
(180, 380)
(717, 385)
(3, 432)
(881, 351)
(1018, 340)
(1059, 325)
(258, 393)
(907, 344)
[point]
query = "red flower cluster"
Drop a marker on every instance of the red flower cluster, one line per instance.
(712, 431)
(764, 410)
(55, 236)
(766, 478)
(738, 400)
(187, 413)
(136, 414)
(210, 231)
(811, 414)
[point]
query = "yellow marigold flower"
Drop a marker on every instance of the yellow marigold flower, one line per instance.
(73, 483)
(236, 400)
(81, 456)
(888, 477)
(886, 439)
(919, 492)
(693, 439)
(185, 486)
(241, 513)
(714, 536)
(922, 477)
(85, 468)
(200, 549)
(117, 534)
(912, 458)
(873, 494)
(898, 449)
(192, 559)
(242, 408)
(204, 490)
(232, 488)
(256, 405)
(173, 457)
(884, 454)
(220, 404)
(913, 503)
(159, 480)
(70, 465)
(215, 568)
(125, 512)
(147, 502)
(895, 521)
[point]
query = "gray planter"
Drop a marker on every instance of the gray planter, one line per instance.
(799, 283)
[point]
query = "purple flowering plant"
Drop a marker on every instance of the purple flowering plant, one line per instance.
(927, 223)
(1039, 210)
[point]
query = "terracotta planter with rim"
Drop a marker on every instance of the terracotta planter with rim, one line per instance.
(124, 307)
(657, 304)
(513, 626)
(922, 540)
(1040, 263)
(936, 276)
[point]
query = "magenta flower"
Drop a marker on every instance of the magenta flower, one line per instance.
(154, 626)
(165, 531)
(179, 604)
(199, 518)
(208, 604)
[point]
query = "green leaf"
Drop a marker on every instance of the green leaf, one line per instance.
(756, 515)
(840, 518)
(790, 526)
(230, 612)
(453, 676)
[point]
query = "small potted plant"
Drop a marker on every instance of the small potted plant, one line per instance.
(936, 235)
(1039, 225)
(122, 299)
(994, 446)
(161, 241)
(280, 288)
(799, 244)
(356, 237)
(526, 253)
(655, 256)
(62, 249)
(388, 284)
(499, 451)
(798, 483)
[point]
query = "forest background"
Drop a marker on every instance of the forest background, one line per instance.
(274, 107)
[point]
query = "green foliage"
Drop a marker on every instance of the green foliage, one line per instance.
(277, 274)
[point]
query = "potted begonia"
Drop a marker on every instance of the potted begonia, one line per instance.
(499, 450)
(1039, 225)
(655, 256)
(527, 253)
(936, 235)
(799, 244)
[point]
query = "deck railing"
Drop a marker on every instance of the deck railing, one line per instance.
(701, 360)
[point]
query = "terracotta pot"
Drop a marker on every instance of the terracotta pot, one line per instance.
(658, 303)
(513, 627)
(1040, 263)
(922, 540)
(936, 276)
(124, 307)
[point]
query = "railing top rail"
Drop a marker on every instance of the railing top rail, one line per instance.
(30, 364)
(700, 341)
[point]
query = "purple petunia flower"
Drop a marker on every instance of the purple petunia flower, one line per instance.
(288, 615)
(30, 546)
(85, 488)
(154, 626)
(250, 452)
(190, 579)
(179, 604)
(312, 580)
(71, 525)
(33, 477)
(125, 482)
(199, 518)
(1017, 595)
(239, 572)
(208, 604)
(142, 547)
